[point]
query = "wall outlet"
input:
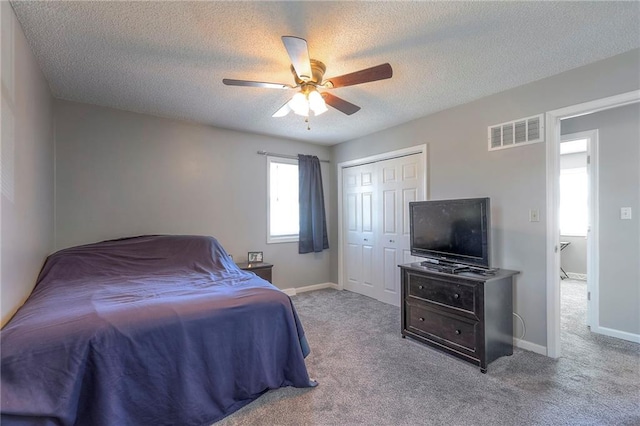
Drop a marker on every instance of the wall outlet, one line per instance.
(534, 215)
(625, 213)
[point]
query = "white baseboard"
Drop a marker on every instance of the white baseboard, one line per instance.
(296, 290)
(526, 345)
(542, 350)
(631, 337)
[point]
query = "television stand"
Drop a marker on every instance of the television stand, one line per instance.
(467, 315)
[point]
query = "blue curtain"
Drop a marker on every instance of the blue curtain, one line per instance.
(313, 223)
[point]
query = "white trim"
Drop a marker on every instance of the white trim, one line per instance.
(314, 287)
(598, 105)
(631, 337)
(528, 346)
(417, 149)
(593, 231)
(552, 129)
(552, 126)
(282, 239)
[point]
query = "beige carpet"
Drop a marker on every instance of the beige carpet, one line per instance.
(369, 375)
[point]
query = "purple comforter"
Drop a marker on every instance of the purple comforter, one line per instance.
(153, 330)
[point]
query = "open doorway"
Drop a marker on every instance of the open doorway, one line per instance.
(578, 234)
(613, 263)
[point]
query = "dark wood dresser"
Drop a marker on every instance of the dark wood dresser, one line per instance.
(468, 315)
(261, 269)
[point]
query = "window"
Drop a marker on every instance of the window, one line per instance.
(573, 202)
(573, 147)
(283, 221)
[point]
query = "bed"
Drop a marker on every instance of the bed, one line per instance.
(152, 330)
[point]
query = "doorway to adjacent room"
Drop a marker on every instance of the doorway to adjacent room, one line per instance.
(612, 209)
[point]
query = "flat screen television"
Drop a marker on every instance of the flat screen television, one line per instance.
(452, 232)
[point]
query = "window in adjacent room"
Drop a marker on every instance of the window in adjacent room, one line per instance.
(573, 188)
(283, 223)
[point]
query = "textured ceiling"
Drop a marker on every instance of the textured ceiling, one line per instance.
(169, 58)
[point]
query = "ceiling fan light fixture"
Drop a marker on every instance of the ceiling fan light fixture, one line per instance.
(308, 99)
(308, 75)
(316, 103)
(299, 104)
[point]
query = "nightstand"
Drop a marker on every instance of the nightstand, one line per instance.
(261, 269)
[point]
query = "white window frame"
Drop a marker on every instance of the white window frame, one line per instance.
(285, 238)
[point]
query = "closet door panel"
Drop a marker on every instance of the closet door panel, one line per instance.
(376, 224)
(358, 216)
(400, 183)
(389, 212)
(390, 266)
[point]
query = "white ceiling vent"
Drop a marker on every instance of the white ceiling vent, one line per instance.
(515, 133)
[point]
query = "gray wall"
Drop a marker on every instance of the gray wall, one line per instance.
(619, 186)
(121, 174)
(27, 167)
(460, 166)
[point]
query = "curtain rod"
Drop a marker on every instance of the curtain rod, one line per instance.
(294, 157)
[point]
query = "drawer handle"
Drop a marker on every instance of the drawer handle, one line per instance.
(420, 287)
(421, 319)
(392, 241)
(366, 239)
(456, 296)
(458, 331)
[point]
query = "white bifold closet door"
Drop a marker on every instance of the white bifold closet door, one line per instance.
(375, 204)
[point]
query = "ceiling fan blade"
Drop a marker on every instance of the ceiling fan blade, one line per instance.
(299, 55)
(340, 104)
(284, 110)
(379, 72)
(246, 83)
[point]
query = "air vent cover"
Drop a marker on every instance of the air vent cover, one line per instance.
(524, 131)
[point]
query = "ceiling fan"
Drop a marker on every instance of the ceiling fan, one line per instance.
(308, 75)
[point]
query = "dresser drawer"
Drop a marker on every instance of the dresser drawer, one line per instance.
(441, 327)
(455, 295)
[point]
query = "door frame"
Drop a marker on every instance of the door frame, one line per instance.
(417, 149)
(552, 133)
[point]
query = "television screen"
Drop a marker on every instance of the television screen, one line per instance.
(451, 231)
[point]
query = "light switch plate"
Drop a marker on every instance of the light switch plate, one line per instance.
(534, 215)
(625, 213)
